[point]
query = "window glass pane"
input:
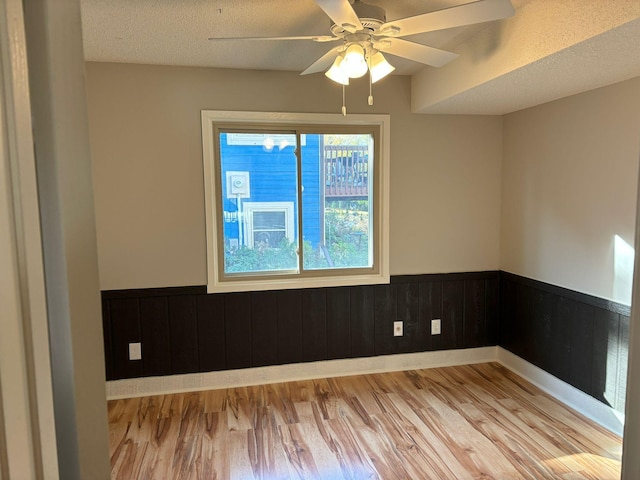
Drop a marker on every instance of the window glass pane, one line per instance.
(259, 184)
(269, 221)
(337, 201)
(270, 239)
(269, 228)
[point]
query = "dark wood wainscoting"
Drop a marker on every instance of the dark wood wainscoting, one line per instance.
(186, 330)
(581, 339)
(578, 338)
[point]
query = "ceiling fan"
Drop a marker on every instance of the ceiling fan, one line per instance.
(364, 33)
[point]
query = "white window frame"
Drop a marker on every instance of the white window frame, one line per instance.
(249, 208)
(325, 278)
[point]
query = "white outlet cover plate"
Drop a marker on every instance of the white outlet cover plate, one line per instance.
(397, 329)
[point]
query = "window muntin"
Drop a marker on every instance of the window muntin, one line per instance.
(330, 231)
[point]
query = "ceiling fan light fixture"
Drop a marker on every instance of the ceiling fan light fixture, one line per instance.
(380, 68)
(336, 73)
(354, 64)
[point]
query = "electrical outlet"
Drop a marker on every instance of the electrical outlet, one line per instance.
(436, 327)
(135, 351)
(397, 328)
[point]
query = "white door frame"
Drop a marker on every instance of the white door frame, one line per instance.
(27, 429)
(631, 440)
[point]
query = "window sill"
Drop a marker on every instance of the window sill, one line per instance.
(275, 283)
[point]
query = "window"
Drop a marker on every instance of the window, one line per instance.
(295, 200)
(268, 224)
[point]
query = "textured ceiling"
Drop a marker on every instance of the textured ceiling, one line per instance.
(176, 32)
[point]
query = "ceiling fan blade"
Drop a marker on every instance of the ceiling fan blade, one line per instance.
(323, 63)
(467, 14)
(416, 52)
(342, 14)
(315, 38)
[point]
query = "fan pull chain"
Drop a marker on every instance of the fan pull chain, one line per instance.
(370, 99)
(344, 108)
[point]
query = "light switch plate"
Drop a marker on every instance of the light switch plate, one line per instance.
(135, 351)
(436, 328)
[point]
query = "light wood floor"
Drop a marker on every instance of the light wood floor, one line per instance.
(469, 422)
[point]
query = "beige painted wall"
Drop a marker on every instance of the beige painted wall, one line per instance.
(144, 124)
(569, 186)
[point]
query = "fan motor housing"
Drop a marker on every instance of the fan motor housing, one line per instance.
(371, 17)
(366, 11)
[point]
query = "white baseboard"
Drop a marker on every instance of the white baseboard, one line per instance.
(571, 396)
(139, 387)
(567, 394)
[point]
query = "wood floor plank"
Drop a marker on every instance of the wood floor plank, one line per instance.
(148, 463)
(186, 456)
(354, 461)
(117, 435)
(214, 400)
(411, 452)
(598, 436)
(518, 449)
(239, 414)
(284, 409)
(270, 460)
(171, 405)
(162, 447)
(464, 422)
(238, 455)
(574, 476)
(128, 461)
(509, 433)
(381, 452)
(555, 427)
(442, 461)
(214, 450)
(326, 399)
(320, 447)
(298, 453)
(476, 452)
